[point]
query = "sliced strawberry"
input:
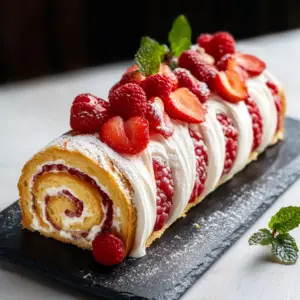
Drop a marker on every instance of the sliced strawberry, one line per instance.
(185, 106)
(130, 137)
(165, 69)
(159, 121)
(132, 77)
(229, 62)
(251, 64)
(230, 86)
(132, 68)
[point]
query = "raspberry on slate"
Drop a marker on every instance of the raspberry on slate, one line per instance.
(185, 106)
(196, 64)
(231, 139)
(130, 137)
(128, 100)
(230, 86)
(201, 164)
(257, 122)
(159, 121)
(88, 113)
(108, 249)
(186, 79)
(165, 191)
(222, 43)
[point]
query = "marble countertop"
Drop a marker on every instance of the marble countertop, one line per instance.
(34, 112)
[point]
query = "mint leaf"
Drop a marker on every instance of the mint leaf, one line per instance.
(262, 237)
(286, 219)
(180, 36)
(149, 56)
(285, 248)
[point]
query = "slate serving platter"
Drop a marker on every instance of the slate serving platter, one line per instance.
(183, 254)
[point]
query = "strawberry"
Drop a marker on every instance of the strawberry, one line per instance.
(165, 69)
(230, 86)
(108, 249)
(132, 77)
(251, 64)
(222, 43)
(186, 79)
(128, 100)
(158, 85)
(229, 62)
(132, 68)
(185, 106)
(130, 137)
(204, 41)
(159, 121)
(88, 113)
(196, 64)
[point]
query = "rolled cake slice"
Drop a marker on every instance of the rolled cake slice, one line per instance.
(127, 171)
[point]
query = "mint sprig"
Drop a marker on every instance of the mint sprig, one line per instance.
(180, 36)
(149, 56)
(284, 246)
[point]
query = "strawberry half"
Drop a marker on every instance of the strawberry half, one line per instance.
(229, 62)
(130, 137)
(250, 63)
(230, 86)
(185, 106)
(159, 121)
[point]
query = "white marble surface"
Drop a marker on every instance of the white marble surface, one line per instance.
(34, 112)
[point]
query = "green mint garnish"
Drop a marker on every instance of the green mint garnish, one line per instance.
(180, 36)
(149, 56)
(262, 237)
(285, 249)
(284, 246)
(286, 219)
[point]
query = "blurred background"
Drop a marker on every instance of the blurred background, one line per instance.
(42, 37)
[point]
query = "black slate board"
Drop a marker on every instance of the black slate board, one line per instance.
(184, 252)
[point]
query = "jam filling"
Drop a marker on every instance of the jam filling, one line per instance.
(278, 102)
(106, 201)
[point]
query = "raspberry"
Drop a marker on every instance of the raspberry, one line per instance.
(159, 121)
(195, 63)
(130, 137)
(201, 164)
(158, 85)
(204, 41)
(128, 101)
(222, 43)
(231, 141)
(113, 88)
(278, 102)
(108, 249)
(164, 191)
(186, 79)
(257, 122)
(88, 113)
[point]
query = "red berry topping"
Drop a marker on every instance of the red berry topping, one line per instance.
(229, 62)
(204, 41)
(132, 68)
(159, 121)
(185, 106)
(130, 137)
(231, 139)
(201, 164)
(132, 77)
(165, 69)
(88, 113)
(278, 102)
(222, 43)
(158, 85)
(257, 122)
(108, 249)
(164, 192)
(251, 64)
(194, 62)
(186, 79)
(230, 86)
(128, 101)
(113, 88)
